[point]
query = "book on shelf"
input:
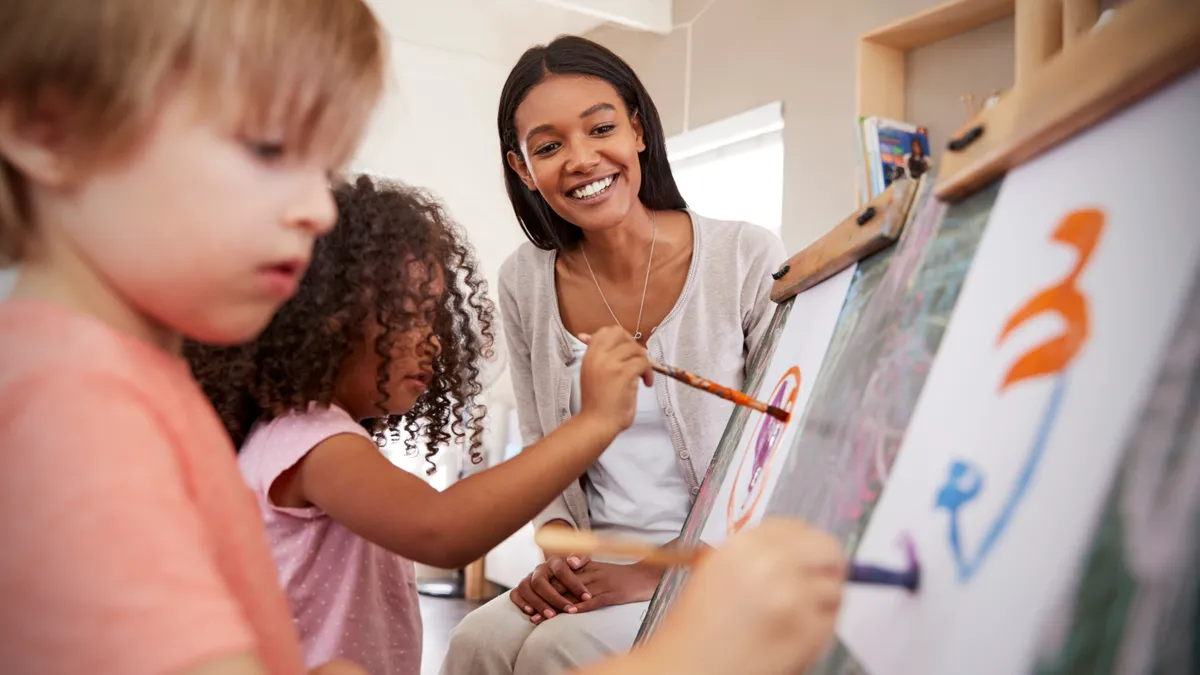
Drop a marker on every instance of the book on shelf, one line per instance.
(889, 149)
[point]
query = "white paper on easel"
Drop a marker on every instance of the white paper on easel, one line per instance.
(1018, 431)
(787, 383)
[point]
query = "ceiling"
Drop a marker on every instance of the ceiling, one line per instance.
(497, 30)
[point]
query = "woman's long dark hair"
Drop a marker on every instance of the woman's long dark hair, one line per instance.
(572, 55)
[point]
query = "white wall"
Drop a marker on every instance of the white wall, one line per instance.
(436, 130)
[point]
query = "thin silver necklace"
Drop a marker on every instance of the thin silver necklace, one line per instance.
(637, 331)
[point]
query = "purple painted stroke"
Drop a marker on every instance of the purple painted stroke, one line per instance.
(767, 435)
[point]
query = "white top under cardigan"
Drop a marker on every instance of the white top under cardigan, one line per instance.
(635, 490)
(719, 319)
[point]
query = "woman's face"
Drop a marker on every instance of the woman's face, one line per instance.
(579, 149)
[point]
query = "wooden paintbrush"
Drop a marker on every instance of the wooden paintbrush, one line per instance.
(567, 541)
(724, 392)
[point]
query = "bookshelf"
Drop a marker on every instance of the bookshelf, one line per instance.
(1067, 74)
(882, 85)
(1094, 74)
(880, 90)
(1042, 31)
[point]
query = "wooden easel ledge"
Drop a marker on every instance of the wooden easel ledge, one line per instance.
(1146, 45)
(848, 242)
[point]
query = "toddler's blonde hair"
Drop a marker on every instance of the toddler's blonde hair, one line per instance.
(311, 70)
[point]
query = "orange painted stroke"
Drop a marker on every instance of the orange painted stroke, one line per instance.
(1080, 230)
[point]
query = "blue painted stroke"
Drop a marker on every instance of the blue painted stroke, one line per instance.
(965, 481)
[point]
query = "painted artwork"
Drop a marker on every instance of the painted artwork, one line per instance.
(787, 383)
(1076, 290)
(747, 486)
(889, 328)
(1051, 360)
(878, 363)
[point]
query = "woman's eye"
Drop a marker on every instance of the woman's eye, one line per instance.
(604, 129)
(266, 151)
(547, 148)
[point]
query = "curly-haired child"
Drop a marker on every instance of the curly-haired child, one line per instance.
(385, 337)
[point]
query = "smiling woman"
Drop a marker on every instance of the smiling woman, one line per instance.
(611, 242)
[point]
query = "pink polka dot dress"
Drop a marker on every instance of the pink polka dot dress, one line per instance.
(350, 598)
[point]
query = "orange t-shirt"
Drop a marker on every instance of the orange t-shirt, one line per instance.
(128, 541)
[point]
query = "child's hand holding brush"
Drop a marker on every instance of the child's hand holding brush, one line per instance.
(763, 603)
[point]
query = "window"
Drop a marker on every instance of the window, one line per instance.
(732, 169)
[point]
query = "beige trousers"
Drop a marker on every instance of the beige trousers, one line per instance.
(499, 639)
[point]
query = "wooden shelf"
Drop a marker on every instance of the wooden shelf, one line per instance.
(868, 230)
(1147, 45)
(881, 52)
(939, 23)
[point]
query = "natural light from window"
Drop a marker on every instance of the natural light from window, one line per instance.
(732, 169)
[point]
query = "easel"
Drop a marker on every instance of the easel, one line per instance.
(1070, 78)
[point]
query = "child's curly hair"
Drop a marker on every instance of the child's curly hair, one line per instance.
(361, 270)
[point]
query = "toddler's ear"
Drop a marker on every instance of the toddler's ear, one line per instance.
(34, 143)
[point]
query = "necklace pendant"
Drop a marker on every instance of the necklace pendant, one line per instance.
(637, 335)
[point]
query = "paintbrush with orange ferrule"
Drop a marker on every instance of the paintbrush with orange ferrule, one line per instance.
(724, 392)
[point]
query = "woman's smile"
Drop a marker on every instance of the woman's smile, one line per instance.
(594, 191)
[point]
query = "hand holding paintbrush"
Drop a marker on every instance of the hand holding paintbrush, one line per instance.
(727, 393)
(571, 541)
(764, 602)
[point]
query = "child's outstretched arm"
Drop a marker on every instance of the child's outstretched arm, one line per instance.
(348, 478)
(764, 603)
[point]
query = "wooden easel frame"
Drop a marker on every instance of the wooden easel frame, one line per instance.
(866, 231)
(1146, 45)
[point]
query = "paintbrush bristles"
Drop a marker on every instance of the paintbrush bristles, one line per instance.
(724, 392)
(779, 413)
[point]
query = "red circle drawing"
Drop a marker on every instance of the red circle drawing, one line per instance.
(757, 456)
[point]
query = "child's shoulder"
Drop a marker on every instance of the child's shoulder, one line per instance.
(87, 410)
(273, 446)
(40, 344)
(317, 422)
(75, 393)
